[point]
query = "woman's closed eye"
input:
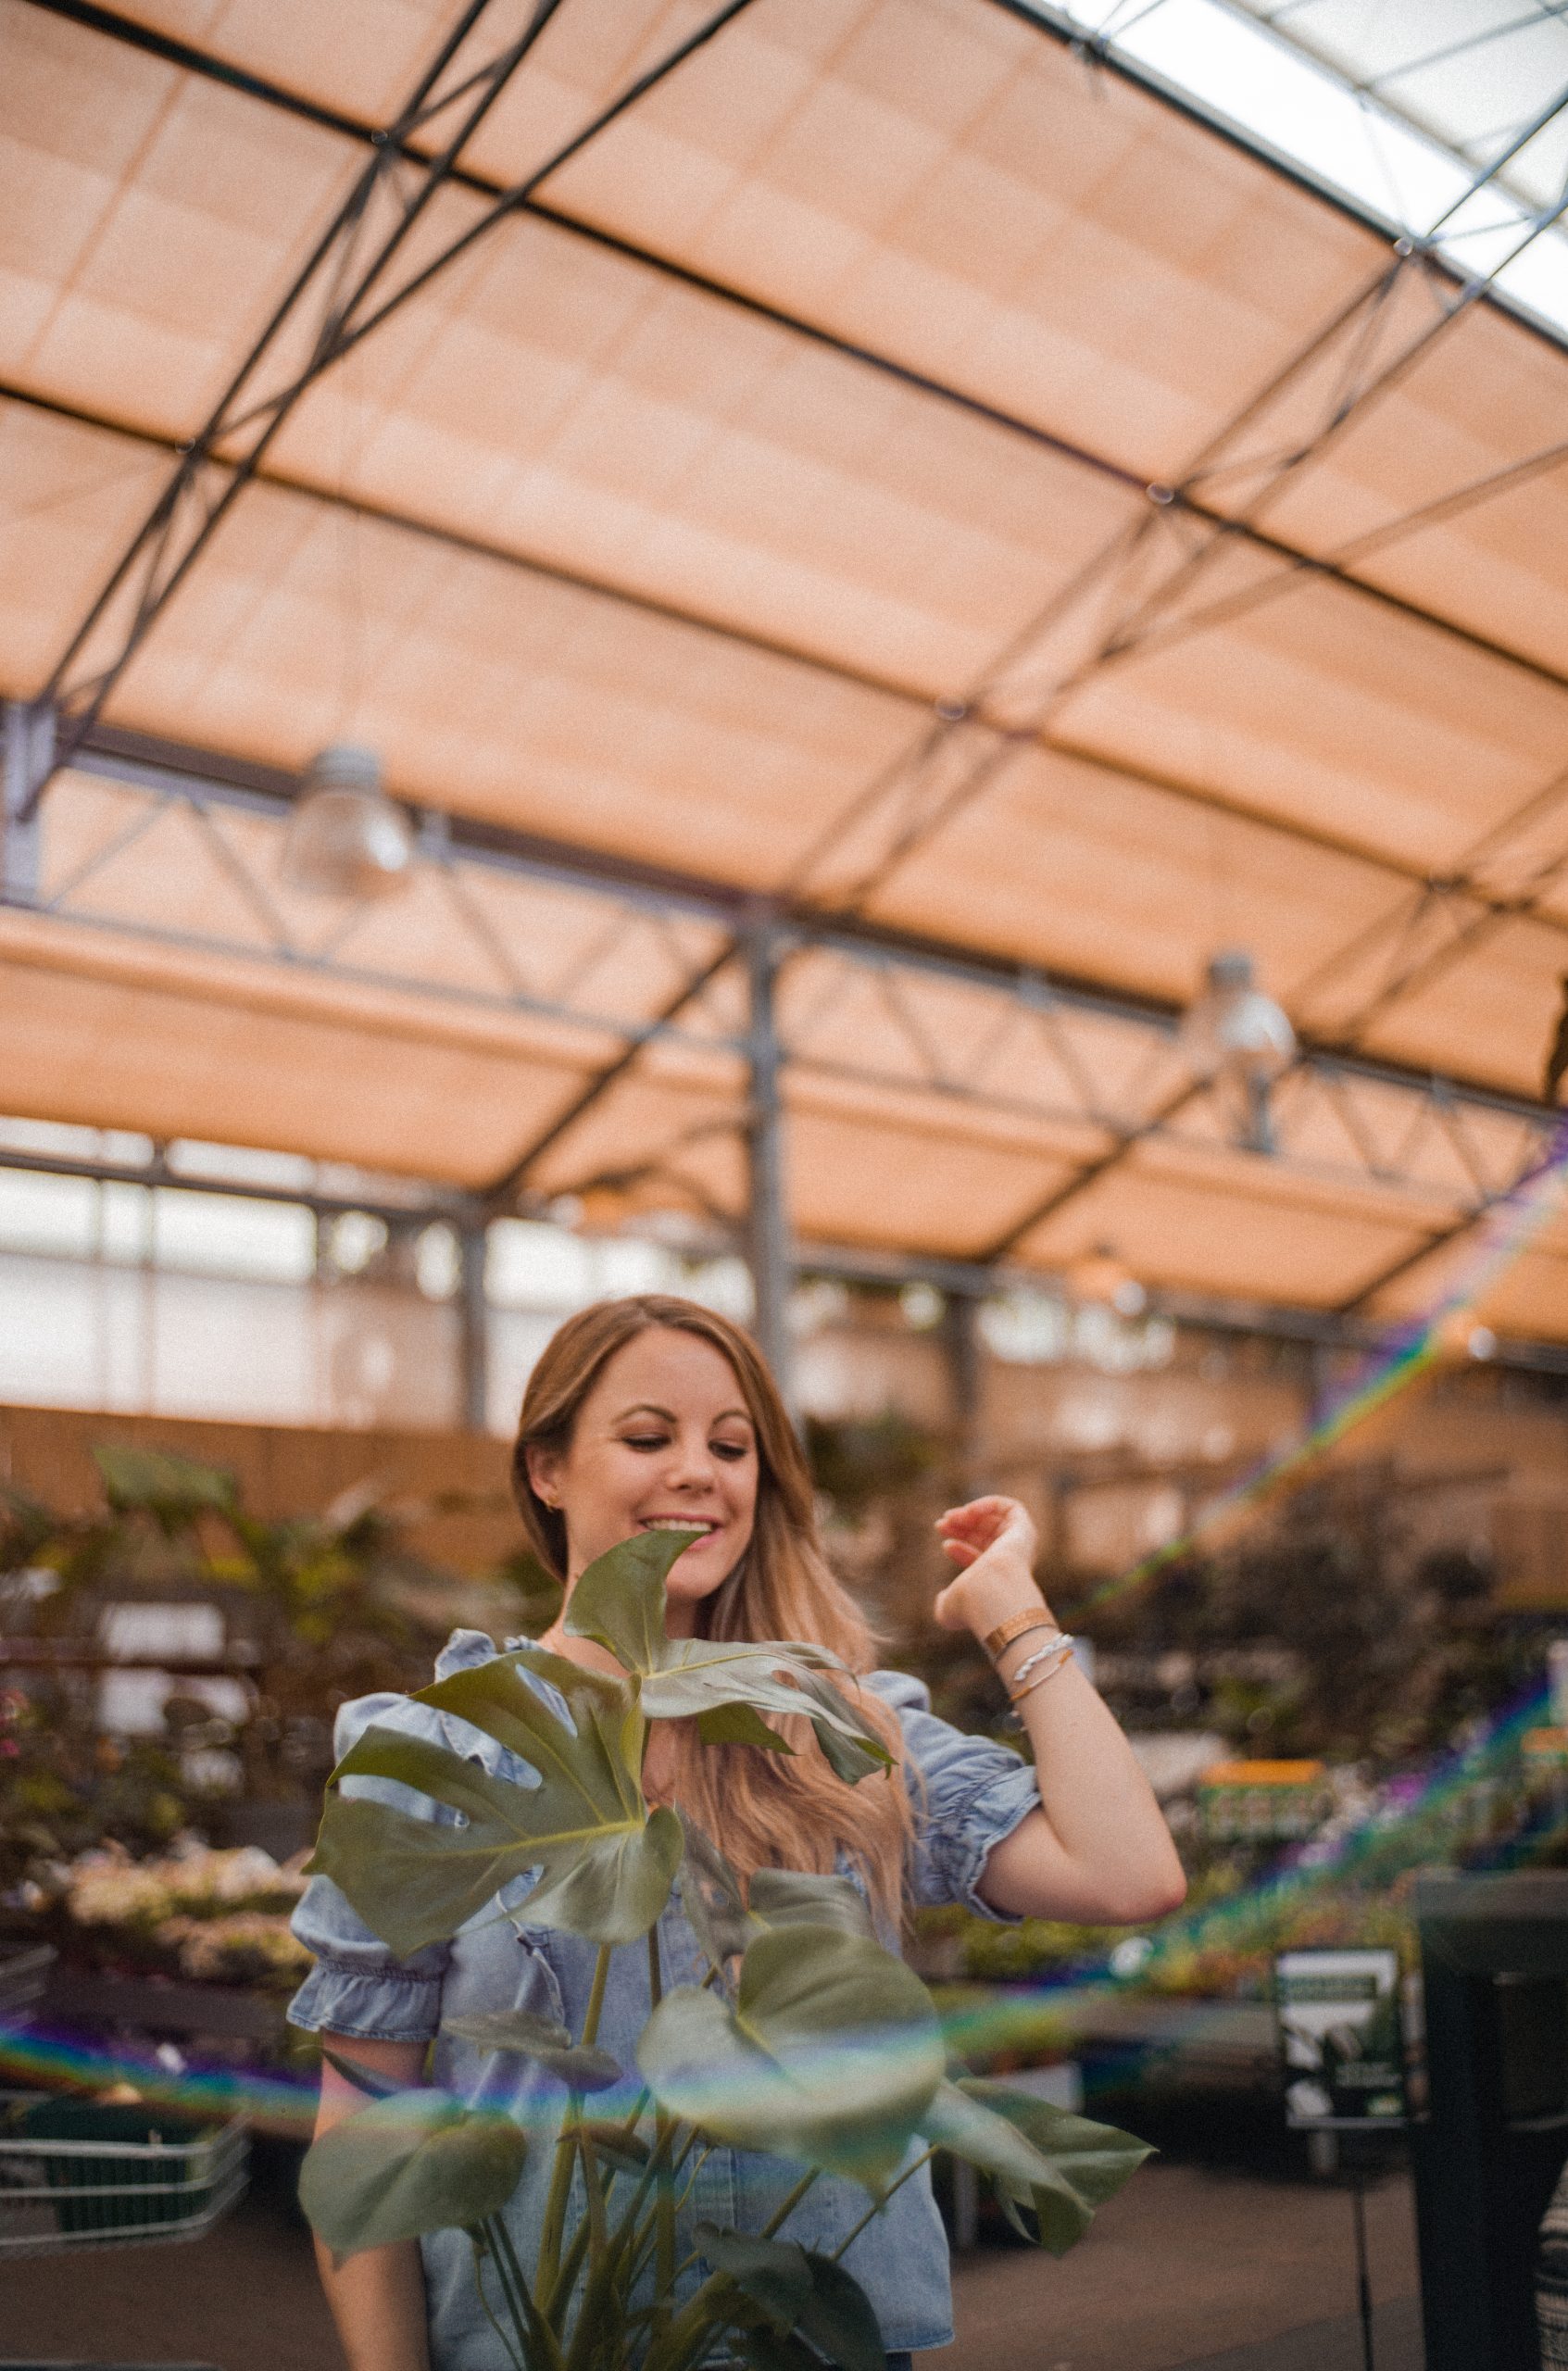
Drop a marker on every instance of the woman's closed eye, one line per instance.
(731, 1451)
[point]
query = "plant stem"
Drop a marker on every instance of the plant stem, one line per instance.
(593, 2185)
(713, 2286)
(547, 2270)
(543, 2348)
(664, 2204)
(882, 2201)
(479, 2254)
(791, 2203)
(596, 1996)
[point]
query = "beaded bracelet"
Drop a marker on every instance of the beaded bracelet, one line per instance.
(1057, 1653)
(1057, 1640)
(1017, 1626)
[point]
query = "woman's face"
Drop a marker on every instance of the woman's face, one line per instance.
(663, 1441)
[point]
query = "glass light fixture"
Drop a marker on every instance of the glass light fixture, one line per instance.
(1458, 1335)
(346, 837)
(1097, 1276)
(1235, 1034)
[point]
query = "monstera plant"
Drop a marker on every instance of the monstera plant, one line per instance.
(807, 2038)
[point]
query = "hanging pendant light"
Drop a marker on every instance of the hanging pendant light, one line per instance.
(1098, 1277)
(1234, 1033)
(345, 838)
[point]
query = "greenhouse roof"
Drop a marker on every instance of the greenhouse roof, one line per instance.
(898, 475)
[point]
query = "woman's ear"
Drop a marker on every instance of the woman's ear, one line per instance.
(544, 1473)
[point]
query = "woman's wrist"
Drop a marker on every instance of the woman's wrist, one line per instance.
(1010, 1624)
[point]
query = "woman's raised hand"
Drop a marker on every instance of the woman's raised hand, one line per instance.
(993, 1542)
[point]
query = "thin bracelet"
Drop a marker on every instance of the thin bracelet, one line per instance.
(1014, 1627)
(1063, 1651)
(1053, 1645)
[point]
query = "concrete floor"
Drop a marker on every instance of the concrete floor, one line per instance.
(1190, 2269)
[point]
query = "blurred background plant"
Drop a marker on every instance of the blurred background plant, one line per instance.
(173, 1666)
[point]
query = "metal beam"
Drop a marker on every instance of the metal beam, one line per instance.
(29, 751)
(969, 1280)
(767, 1219)
(176, 772)
(349, 301)
(1057, 743)
(956, 1083)
(202, 62)
(449, 1208)
(1136, 624)
(473, 1331)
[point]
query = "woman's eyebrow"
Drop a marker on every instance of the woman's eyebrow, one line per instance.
(648, 1408)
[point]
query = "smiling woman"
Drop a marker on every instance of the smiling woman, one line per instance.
(654, 1411)
(652, 1416)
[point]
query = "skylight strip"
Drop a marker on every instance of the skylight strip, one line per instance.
(1299, 112)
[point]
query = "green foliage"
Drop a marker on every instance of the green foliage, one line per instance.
(547, 2044)
(64, 1791)
(724, 1921)
(820, 2045)
(857, 1461)
(319, 1606)
(608, 1862)
(174, 1490)
(828, 2054)
(795, 2291)
(620, 1604)
(417, 2162)
(1060, 2165)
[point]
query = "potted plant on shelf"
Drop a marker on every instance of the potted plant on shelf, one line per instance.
(807, 2038)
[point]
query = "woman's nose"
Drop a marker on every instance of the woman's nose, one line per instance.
(693, 1466)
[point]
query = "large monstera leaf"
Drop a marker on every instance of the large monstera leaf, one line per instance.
(796, 2295)
(606, 1865)
(620, 1602)
(417, 2162)
(1061, 2165)
(829, 2052)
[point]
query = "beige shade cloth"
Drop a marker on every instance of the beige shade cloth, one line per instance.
(824, 387)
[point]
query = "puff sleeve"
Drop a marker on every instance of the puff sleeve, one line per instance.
(969, 1792)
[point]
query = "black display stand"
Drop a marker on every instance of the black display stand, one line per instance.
(1494, 1956)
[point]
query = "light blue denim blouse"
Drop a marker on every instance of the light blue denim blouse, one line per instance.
(968, 1793)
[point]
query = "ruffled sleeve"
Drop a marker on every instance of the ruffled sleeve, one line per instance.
(357, 1985)
(968, 1792)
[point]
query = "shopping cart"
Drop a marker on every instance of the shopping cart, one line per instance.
(95, 2174)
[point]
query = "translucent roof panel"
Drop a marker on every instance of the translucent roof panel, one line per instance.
(903, 478)
(1445, 117)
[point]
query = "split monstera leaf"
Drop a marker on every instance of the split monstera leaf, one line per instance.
(606, 1861)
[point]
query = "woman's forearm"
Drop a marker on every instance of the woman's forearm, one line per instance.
(378, 2304)
(376, 2297)
(1099, 1852)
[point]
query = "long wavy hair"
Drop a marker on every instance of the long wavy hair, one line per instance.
(765, 1810)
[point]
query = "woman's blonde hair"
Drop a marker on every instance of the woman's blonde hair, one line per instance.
(765, 1810)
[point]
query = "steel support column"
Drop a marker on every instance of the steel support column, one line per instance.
(769, 1252)
(961, 1344)
(473, 1333)
(29, 751)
